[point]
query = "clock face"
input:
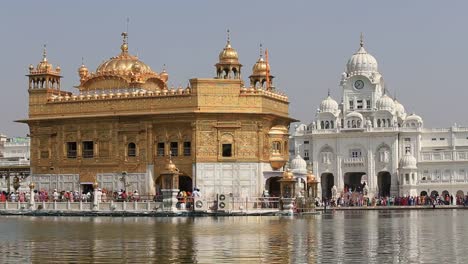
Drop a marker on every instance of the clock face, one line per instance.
(359, 84)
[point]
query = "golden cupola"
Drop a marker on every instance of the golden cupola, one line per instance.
(122, 71)
(44, 76)
(228, 66)
(261, 77)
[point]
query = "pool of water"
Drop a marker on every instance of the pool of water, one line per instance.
(422, 236)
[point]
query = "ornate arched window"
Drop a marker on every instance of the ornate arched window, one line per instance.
(131, 149)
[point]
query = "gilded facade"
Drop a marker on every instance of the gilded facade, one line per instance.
(124, 122)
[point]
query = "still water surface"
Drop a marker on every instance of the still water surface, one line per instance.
(427, 236)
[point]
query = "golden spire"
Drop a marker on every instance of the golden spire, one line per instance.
(124, 46)
(261, 50)
(228, 37)
(44, 53)
(362, 40)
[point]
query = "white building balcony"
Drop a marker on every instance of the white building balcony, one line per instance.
(360, 161)
(14, 162)
(437, 156)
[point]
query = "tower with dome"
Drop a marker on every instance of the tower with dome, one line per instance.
(124, 121)
(370, 138)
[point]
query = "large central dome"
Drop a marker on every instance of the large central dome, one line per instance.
(122, 71)
(361, 62)
(124, 63)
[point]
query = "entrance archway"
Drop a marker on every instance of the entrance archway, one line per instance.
(434, 193)
(185, 183)
(445, 193)
(423, 193)
(273, 186)
(384, 182)
(327, 182)
(460, 194)
(353, 181)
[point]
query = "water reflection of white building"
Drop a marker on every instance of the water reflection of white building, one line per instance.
(369, 137)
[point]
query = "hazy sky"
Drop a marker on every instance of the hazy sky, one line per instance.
(421, 46)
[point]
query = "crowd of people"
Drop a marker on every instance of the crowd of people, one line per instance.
(185, 198)
(103, 195)
(359, 199)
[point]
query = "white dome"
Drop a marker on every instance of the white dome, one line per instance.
(408, 162)
(385, 103)
(361, 62)
(414, 117)
(298, 164)
(328, 105)
(354, 114)
(399, 108)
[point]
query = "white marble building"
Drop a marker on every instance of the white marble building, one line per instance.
(369, 137)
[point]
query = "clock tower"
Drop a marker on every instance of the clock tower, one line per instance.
(362, 84)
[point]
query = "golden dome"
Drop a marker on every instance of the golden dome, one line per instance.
(170, 167)
(44, 65)
(310, 177)
(278, 130)
(164, 75)
(260, 67)
(228, 54)
(124, 63)
(288, 175)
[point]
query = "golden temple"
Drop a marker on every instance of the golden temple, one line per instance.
(125, 121)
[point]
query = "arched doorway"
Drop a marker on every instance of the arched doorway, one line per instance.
(327, 182)
(445, 193)
(384, 182)
(434, 193)
(423, 193)
(185, 183)
(273, 186)
(460, 194)
(353, 181)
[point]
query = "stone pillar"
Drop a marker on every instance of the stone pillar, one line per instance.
(32, 203)
(95, 196)
(339, 182)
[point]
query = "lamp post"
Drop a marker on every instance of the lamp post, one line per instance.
(287, 184)
(170, 184)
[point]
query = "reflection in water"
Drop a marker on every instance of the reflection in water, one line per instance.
(354, 236)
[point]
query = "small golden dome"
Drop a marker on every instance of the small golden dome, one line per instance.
(310, 177)
(260, 67)
(170, 167)
(164, 76)
(58, 69)
(31, 67)
(228, 54)
(288, 175)
(278, 130)
(83, 71)
(44, 65)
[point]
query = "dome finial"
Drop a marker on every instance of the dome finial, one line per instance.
(362, 40)
(261, 50)
(328, 91)
(124, 46)
(228, 36)
(44, 53)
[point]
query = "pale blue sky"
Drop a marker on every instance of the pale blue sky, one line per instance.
(421, 46)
